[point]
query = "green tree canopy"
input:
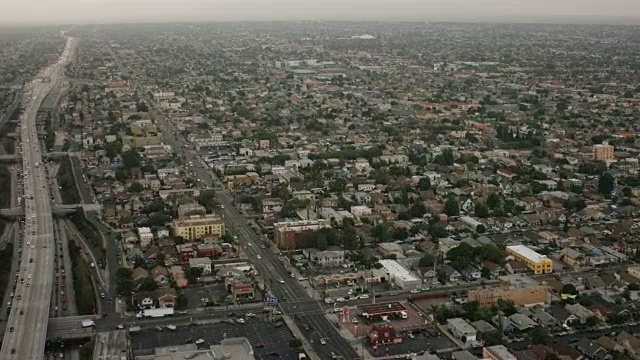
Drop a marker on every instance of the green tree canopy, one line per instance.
(606, 183)
(451, 206)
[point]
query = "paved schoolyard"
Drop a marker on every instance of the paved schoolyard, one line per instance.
(275, 339)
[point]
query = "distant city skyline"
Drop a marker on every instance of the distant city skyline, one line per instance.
(114, 11)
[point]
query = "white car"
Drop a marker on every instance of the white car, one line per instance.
(240, 321)
(259, 257)
(199, 341)
(323, 341)
(281, 281)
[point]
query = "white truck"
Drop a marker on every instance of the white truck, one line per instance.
(88, 323)
(155, 313)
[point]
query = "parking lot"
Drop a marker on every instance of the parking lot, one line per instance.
(275, 340)
(213, 293)
(429, 341)
(362, 327)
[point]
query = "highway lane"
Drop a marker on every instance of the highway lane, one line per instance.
(25, 334)
(277, 277)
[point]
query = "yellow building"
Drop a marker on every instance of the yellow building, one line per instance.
(602, 152)
(197, 227)
(539, 264)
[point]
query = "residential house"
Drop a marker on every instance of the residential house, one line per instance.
(166, 297)
(146, 299)
(449, 274)
(563, 315)
(203, 263)
(592, 349)
(471, 273)
(581, 312)
(139, 274)
(160, 275)
(629, 342)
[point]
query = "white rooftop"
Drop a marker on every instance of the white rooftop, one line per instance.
(527, 253)
(396, 270)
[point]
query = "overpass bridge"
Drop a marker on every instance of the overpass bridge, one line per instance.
(66, 328)
(56, 155)
(56, 210)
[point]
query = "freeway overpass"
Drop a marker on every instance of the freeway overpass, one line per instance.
(66, 328)
(56, 210)
(51, 156)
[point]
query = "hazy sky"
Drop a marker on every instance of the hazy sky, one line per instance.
(91, 11)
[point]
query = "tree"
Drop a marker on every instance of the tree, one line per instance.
(633, 287)
(380, 232)
(592, 321)
(493, 201)
(207, 198)
(147, 284)
(426, 261)
(451, 206)
(540, 336)
(124, 282)
(424, 183)
(438, 230)
(131, 159)
(482, 210)
(569, 289)
(627, 192)
(446, 158)
(606, 183)
(136, 187)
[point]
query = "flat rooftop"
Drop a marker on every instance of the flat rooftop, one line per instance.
(527, 253)
(381, 309)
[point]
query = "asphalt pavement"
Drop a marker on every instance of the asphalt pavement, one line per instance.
(26, 327)
(278, 278)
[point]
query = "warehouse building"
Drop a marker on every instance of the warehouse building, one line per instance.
(399, 275)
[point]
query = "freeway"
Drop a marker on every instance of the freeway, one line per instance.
(26, 327)
(309, 311)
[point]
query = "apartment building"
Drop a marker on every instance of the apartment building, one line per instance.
(521, 296)
(602, 152)
(285, 233)
(198, 227)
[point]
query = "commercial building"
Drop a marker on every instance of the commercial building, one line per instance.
(539, 264)
(497, 352)
(521, 296)
(198, 227)
(285, 233)
(462, 329)
(382, 335)
(602, 151)
(382, 309)
(399, 275)
(228, 349)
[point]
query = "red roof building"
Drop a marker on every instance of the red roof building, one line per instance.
(380, 335)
